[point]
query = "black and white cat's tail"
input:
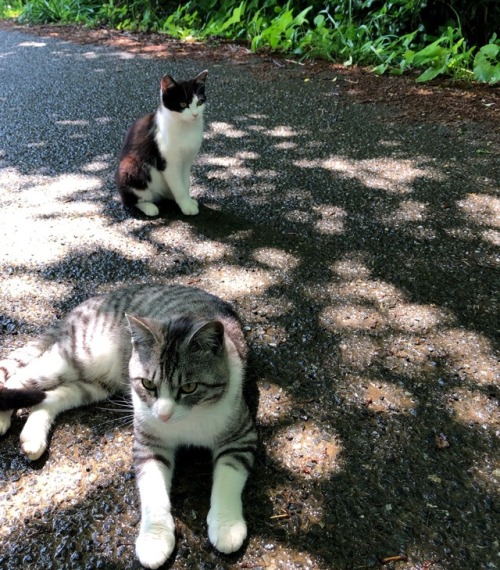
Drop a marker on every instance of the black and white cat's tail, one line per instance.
(14, 398)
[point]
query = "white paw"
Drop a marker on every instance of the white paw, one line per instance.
(148, 208)
(34, 435)
(5, 418)
(155, 545)
(33, 446)
(189, 207)
(227, 535)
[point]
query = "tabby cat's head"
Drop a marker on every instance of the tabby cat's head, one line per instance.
(185, 97)
(177, 365)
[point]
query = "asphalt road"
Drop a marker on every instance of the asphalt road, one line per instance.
(362, 254)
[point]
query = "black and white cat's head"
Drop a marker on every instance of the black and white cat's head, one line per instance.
(187, 98)
(177, 365)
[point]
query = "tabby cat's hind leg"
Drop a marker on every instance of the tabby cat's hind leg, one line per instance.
(16, 367)
(64, 397)
(12, 382)
(12, 399)
(5, 420)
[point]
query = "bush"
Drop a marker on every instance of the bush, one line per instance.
(59, 11)
(438, 37)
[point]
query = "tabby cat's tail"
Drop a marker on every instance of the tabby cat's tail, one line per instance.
(13, 398)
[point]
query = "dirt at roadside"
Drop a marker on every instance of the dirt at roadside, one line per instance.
(441, 101)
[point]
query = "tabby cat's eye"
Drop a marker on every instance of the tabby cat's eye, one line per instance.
(189, 388)
(184, 105)
(148, 384)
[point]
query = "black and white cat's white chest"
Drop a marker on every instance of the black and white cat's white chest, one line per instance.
(178, 142)
(159, 149)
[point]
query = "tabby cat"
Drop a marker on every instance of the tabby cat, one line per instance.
(159, 149)
(181, 354)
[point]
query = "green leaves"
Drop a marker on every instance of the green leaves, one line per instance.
(283, 33)
(388, 34)
(64, 11)
(10, 9)
(235, 18)
(447, 55)
(487, 63)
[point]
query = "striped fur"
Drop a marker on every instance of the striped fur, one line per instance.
(181, 354)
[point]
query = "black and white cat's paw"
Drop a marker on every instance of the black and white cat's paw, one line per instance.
(189, 207)
(155, 544)
(148, 208)
(225, 532)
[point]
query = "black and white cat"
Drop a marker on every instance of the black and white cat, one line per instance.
(181, 354)
(160, 148)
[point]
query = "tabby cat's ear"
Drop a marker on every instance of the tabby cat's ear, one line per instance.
(143, 331)
(167, 81)
(201, 77)
(208, 337)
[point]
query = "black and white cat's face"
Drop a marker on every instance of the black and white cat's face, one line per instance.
(177, 366)
(187, 98)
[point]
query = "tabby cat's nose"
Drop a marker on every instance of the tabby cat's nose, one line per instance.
(165, 417)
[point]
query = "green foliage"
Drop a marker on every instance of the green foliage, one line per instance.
(138, 15)
(230, 27)
(447, 54)
(394, 36)
(182, 23)
(263, 24)
(222, 19)
(283, 33)
(62, 11)
(10, 9)
(487, 62)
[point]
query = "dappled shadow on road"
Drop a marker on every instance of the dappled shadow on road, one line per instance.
(361, 256)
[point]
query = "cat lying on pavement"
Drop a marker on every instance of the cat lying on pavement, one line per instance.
(180, 353)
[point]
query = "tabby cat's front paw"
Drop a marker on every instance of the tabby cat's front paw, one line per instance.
(189, 207)
(226, 534)
(33, 444)
(155, 545)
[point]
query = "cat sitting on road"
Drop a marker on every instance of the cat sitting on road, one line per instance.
(160, 148)
(181, 354)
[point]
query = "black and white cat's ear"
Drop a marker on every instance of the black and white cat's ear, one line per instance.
(142, 330)
(201, 77)
(208, 337)
(167, 81)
